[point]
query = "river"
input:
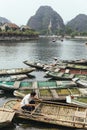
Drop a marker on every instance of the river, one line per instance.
(12, 55)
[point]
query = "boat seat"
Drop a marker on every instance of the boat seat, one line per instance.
(71, 76)
(17, 84)
(67, 71)
(34, 85)
(17, 106)
(59, 83)
(80, 114)
(54, 93)
(57, 70)
(60, 74)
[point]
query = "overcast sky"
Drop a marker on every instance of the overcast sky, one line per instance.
(19, 11)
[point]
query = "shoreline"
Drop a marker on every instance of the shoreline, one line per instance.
(17, 38)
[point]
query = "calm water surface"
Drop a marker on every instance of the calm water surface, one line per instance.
(12, 55)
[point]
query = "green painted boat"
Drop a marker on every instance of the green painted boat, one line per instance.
(14, 85)
(65, 76)
(80, 82)
(13, 77)
(78, 62)
(53, 94)
(78, 100)
(59, 114)
(75, 66)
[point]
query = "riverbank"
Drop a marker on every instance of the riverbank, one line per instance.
(17, 38)
(66, 37)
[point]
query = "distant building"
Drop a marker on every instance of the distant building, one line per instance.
(9, 26)
(25, 27)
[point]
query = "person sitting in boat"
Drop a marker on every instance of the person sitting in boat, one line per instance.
(28, 102)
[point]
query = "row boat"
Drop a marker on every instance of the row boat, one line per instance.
(80, 82)
(13, 77)
(69, 71)
(79, 62)
(64, 76)
(6, 117)
(57, 94)
(36, 65)
(15, 71)
(59, 114)
(14, 85)
(75, 66)
(78, 100)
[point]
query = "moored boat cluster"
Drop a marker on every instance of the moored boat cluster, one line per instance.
(63, 94)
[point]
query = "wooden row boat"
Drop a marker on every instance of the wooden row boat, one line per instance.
(57, 94)
(78, 100)
(79, 62)
(80, 83)
(42, 66)
(6, 117)
(64, 76)
(14, 85)
(36, 65)
(15, 71)
(69, 71)
(74, 66)
(59, 114)
(13, 77)
(65, 66)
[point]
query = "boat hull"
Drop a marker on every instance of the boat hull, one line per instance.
(52, 113)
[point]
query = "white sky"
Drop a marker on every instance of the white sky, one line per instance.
(19, 11)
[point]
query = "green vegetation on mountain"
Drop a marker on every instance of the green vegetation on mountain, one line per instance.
(77, 26)
(46, 21)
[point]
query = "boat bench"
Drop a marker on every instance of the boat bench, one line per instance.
(17, 84)
(60, 74)
(57, 70)
(71, 76)
(54, 93)
(67, 71)
(17, 106)
(80, 114)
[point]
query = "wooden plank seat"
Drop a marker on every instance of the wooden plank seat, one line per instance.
(34, 85)
(17, 84)
(6, 115)
(60, 74)
(67, 71)
(71, 76)
(17, 106)
(59, 83)
(57, 70)
(54, 93)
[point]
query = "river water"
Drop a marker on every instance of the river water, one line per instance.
(12, 55)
